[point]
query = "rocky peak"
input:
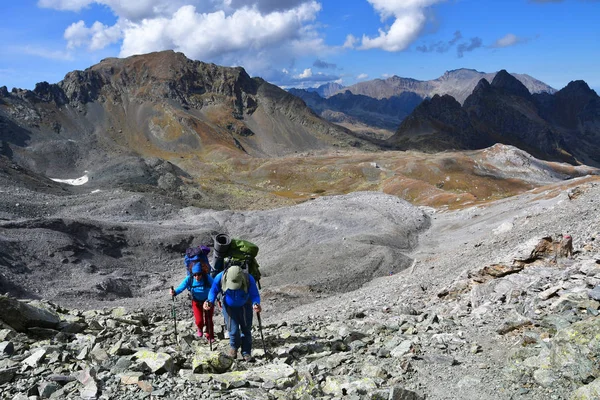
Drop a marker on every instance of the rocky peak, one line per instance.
(3, 91)
(508, 83)
(47, 92)
(461, 73)
(328, 89)
(576, 90)
(482, 86)
(158, 76)
(439, 104)
(570, 102)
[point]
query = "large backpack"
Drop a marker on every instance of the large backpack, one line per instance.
(195, 253)
(228, 252)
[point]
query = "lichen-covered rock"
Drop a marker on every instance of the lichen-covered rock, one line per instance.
(591, 391)
(205, 361)
(156, 362)
(574, 354)
(345, 385)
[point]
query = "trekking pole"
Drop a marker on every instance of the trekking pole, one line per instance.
(208, 328)
(174, 313)
(262, 337)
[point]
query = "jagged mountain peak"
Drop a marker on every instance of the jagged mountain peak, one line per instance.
(444, 100)
(505, 81)
(577, 87)
(482, 86)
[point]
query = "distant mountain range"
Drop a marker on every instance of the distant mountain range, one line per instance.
(154, 120)
(564, 126)
(396, 97)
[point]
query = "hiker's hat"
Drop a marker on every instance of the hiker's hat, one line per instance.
(234, 279)
(197, 269)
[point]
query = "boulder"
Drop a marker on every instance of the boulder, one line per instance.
(590, 391)
(205, 361)
(156, 362)
(574, 355)
(20, 315)
(345, 385)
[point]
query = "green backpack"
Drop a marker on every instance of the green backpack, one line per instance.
(243, 253)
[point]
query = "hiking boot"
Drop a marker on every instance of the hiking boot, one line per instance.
(248, 357)
(232, 353)
(199, 333)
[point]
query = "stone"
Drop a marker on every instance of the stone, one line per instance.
(575, 352)
(402, 349)
(546, 294)
(7, 334)
(20, 315)
(595, 293)
(544, 377)
(7, 348)
(71, 327)
(342, 385)
(374, 371)
(98, 354)
(46, 389)
(35, 357)
(205, 361)
(156, 362)
(130, 377)
(87, 378)
(399, 393)
(7, 374)
(440, 359)
(146, 386)
(591, 391)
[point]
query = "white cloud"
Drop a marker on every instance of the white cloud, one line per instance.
(265, 5)
(350, 42)
(67, 5)
(362, 76)
(307, 73)
(43, 52)
(261, 35)
(133, 10)
(220, 37)
(409, 21)
(508, 40)
(96, 37)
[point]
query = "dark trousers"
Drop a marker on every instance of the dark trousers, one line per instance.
(239, 325)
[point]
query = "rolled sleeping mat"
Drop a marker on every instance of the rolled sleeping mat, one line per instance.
(222, 243)
(221, 246)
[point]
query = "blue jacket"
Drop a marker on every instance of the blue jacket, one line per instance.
(235, 298)
(197, 288)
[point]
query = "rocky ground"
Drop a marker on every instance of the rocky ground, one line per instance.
(365, 297)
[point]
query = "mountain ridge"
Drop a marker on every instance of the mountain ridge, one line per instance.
(545, 125)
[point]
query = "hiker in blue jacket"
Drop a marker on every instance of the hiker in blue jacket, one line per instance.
(199, 283)
(240, 298)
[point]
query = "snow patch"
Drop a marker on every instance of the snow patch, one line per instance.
(74, 182)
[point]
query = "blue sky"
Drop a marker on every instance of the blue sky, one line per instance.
(304, 43)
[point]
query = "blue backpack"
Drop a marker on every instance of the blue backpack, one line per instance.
(194, 254)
